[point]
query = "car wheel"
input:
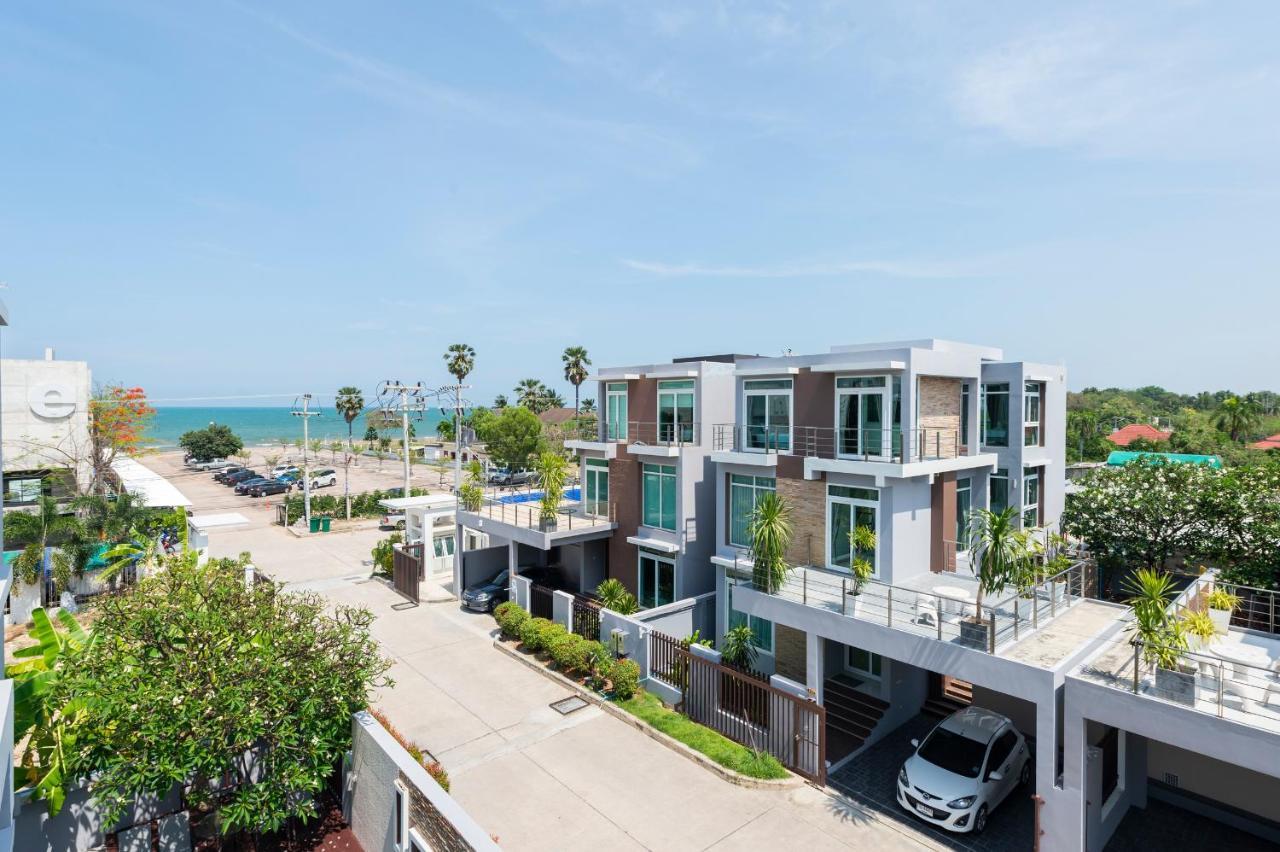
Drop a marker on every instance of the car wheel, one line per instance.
(1025, 777)
(980, 821)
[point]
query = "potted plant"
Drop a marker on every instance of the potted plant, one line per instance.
(770, 537)
(999, 557)
(1161, 637)
(471, 494)
(862, 540)
(1199, 628)
(738, 647)
(1221, 604)
(551, 477)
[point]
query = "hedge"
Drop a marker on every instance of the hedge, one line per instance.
(626, 679)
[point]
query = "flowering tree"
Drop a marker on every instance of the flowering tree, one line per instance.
(118, 420)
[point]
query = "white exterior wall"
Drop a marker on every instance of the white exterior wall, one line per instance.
(46, 404)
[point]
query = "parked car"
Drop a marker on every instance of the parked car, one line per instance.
(484, 596)
(239, 476)
(324, 478)
(281, 469)
(243, 486)
(221, 476)
(498, 476)
(271, 486)
(392, 521)
(502, 476)
(966, 767)
(207, 464)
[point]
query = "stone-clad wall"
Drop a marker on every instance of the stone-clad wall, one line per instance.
(939, 416)
(808, 502)
(789, 651)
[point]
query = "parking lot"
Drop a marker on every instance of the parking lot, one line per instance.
(871, 779)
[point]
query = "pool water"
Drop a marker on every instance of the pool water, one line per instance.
(572, 494)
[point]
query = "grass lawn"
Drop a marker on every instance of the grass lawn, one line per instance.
(722, 750)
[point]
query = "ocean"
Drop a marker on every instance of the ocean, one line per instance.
(265, 425)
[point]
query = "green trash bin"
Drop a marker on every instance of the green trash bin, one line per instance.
(315, 525)
(324, 524)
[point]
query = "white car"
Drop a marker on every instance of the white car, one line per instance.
(966, 767)
(281, 469)
(212, 464)
(324, 478)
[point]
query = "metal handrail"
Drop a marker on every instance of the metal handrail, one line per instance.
(892, 444)
(1212, 680)
(1250, 612)
(529, 515)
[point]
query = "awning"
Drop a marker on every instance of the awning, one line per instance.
(154, 490)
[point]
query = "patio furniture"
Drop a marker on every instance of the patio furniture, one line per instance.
(926, 612)
(954, 599)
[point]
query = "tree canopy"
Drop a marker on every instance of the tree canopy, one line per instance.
(514, 437)
(213, 442)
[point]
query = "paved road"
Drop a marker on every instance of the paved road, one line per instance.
(534, 778)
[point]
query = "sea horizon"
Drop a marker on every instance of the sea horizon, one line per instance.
(262, 425)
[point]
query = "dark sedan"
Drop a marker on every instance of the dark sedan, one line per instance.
(240, 476)
(221, 476)
(484, 596)
(271, 486)
(244, 486)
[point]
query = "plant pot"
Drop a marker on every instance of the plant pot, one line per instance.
(1176, 685)
(547, 524)
(975, 633)
(1221, 620)
(851, 606)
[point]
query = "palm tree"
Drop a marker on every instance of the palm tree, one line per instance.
(770, 532)
(588, 406)
(500, 401)
(1163, 637)
(551, 399)
(460, 360)
(47, 522)
(576, 363)
(999, 551)
(350, 404)
(1237, 417)
(530, 393)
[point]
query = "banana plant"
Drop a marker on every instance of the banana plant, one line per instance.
(141, 550)
(41, 714)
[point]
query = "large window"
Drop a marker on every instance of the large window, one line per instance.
(657, 580)
(964, 414)
(767, 404)
(1031, 414)
(659, 496)
(864, 663)
(848, 508)
(596, 476)
(995, 414)
(999, 497)
(675, 411)
(761, 628)
(861, 415)
(615, 412)
(1030, 497)
(964, 504)
(744, 492)
(442, 545)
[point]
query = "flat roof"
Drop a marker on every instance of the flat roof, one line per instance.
(154, 489)
(425, 501)
(225, 519)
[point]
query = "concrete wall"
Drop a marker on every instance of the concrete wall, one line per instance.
(1020, 711)
(481, 565)
(905, 687)
(79, 825)
(45, 413)
(378, 762)
(1198, 773)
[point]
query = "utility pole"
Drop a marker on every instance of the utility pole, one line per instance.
(306, 414)
(405, 392)
(457, 432)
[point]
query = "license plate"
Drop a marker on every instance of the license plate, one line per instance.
(924, 810)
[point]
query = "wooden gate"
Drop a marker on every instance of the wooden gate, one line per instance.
(406, 569)
(744, 708)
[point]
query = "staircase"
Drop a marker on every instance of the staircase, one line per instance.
(956, 695)
(851, 716)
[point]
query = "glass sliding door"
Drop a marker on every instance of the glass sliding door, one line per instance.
(657, 580)
(767, 407)
(995, 414)
(658, 496)
(848, 508)
(596, 487)
(744, 492)
(999, 497)
(964, 504)
(1030, 498)
(675, 411)
(615, 413)
(861, 406)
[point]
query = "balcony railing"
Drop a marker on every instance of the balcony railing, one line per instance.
(825, 442)
(663, 433)
(1012, 615)
(570, 515)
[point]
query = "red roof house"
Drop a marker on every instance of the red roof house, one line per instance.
(1124, 437)
(1272, 443)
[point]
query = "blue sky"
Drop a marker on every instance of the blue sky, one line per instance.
(221, 198)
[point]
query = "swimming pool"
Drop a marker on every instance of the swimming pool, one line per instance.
(573, 495)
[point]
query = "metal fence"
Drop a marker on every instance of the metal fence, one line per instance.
(745, 708)
(1259, 609)
(541, 601)
(827, 442)
(406, 569)
(586, 618)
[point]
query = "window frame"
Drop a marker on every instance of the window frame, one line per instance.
(752, 621)
(754, 388)
(875, 663)
(964, 413)
(887, 412)
(674, 388)
(1030, 475)
(962, 521)
(615, 403)
(987, 393)
(660, 471)
(592, 471)
(756, 487)
(400, 813)
(1001, 474)
(854, 503)
(657, 559)
(1032, 429)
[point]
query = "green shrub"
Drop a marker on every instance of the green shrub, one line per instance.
(595, 662)
(550, 633)
(531, 634)
(564, 651)
(511, 617)
(626, 679)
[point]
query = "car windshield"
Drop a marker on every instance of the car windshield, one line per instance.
(953, 752)
(501, 579)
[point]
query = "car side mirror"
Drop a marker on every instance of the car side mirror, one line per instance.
(915, 744)
(996, 776)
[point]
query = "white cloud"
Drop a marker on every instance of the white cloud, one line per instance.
(894, 269)
(1121, 90)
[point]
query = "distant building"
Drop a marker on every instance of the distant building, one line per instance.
(45, 415)
(1124, 437)
(1271, 443)
(1119, 458)
(556, 416)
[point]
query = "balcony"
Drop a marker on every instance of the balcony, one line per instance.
(663, 437)
(943, 606)
(1234, 677)
(517, 515)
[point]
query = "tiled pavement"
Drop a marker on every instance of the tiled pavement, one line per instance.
(871, 780)
(1171, 829)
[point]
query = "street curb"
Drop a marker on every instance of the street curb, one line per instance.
(675, 745)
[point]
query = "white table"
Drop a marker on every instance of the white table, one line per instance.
(1244, 672)
(954, 598)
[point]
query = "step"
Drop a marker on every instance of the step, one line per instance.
(941, 707)
(838, 689)
(856, 713)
